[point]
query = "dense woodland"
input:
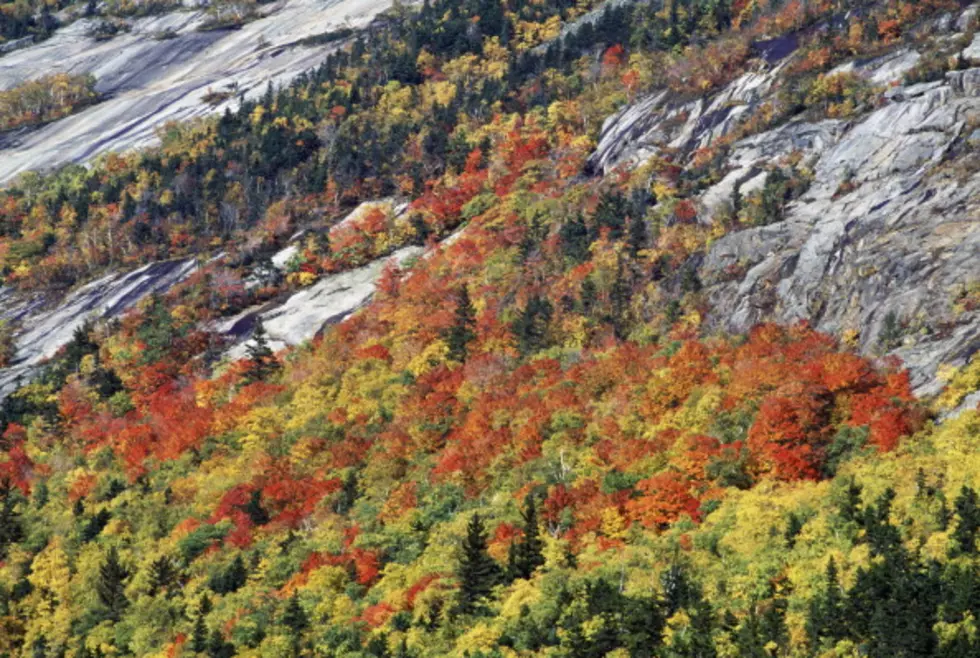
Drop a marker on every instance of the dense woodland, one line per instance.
(528, 443)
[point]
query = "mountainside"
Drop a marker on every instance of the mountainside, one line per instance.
(490, 329)
(162, 68)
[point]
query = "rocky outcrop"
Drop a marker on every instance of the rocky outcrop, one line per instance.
(47, 324)
(900, 240)
(304, 314)
(889, 230)
(147, 80)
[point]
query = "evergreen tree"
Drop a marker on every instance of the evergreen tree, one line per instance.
(39, 648)
(230, 579)
(199, 636)
(619, 298)
(348, 494)
(531, 326)
(575, 240)
(850, 502)
(253, 508)
(263, 361)
(111, 586)
(218, 648)
(794, 525)
(611, 213)
(526, 553)
(638, 235)
(825, 621)
(968, 521)
(293, 617)
(11, 531)
(461, 333)
(477, 571)
(162, 574)
(204, 605)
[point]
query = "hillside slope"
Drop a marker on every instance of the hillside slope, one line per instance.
(163, 68)
(592, 315)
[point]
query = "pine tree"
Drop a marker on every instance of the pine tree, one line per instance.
(968, 521)
(162, 574)
(638, 235)
(348, 494)
(253, 508)
(531, 326)
(575, 240)
(826, 619)
(461, 333)
(527, 553)
(477, 571)
(263, 361)
(218, 648)
(199, 636)
(111, 587)
(11, 531)
(293, 617)
(231, 579)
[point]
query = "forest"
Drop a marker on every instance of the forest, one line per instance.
(531, 442)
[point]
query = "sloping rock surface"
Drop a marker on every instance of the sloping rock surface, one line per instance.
(148, 81)
(46, 325)
(304, 314)
(900, 239)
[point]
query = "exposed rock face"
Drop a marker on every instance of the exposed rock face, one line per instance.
(150, 81)
(47, 325)
(903, 240)
(307, 312)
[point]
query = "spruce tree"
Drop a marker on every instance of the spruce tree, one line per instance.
(826, 620)
(531, 326)
(638, 235)
(293, 617)
(111, 586)
(575, 240)
(461, 333)
(968, 521)
(527, 553)
(11, 531)
(348, 494)
(850, 502)
(264, 363)
(477, 571)
(218, 648)
(230, 579)
(162, 574)
(199, 636)
(253, 508)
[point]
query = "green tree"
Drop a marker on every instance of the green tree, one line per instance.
(162, 574)
(263, 363)
(461, 333)
(477, 571)
(968, 521)
(293, 617)
(526, 554)
(11, 530)
(111, 586)
(230, 579)
(199, 636)
(531, 326)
